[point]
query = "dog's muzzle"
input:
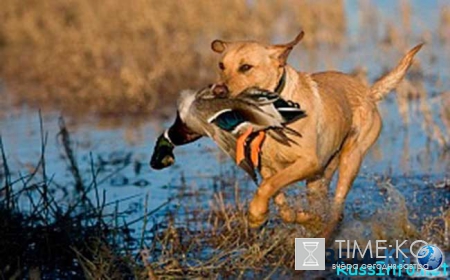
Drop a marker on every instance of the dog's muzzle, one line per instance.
(220, 90)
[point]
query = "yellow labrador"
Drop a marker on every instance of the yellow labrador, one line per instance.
(343, 123)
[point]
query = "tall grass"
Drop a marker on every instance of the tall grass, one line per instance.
(47, 235)
(48, 230)
(115, 56)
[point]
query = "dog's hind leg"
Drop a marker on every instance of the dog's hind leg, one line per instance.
(301, 169)
(352, 154)
(318, 187)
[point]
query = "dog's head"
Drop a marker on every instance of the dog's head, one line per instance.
(250, 64)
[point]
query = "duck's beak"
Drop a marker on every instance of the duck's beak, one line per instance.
(162, 154)
(178, 134)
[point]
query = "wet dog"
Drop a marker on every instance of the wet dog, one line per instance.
(343, 123)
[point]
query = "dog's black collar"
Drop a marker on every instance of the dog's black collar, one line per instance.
(281, 83)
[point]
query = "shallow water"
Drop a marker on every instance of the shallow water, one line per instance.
(410, 157)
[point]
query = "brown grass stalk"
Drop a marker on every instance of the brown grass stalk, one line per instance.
(114, 56)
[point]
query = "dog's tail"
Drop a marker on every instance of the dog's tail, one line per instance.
(389, 81)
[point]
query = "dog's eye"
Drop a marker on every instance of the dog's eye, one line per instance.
(245, 67)
(221, 66)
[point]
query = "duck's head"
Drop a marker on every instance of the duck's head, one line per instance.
(177, 134)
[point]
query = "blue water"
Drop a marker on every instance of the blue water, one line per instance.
(417, 165)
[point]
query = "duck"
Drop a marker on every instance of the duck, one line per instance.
(231, 121)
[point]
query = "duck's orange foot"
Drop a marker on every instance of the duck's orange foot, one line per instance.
(255, 148)
(240, 143)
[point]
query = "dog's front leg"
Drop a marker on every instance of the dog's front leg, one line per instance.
(317, 198)
(301, 169)
(318, 187)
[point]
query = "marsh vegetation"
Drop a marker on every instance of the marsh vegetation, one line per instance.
(77, 199)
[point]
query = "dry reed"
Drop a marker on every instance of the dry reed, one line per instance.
(130, 57)
(205, 242)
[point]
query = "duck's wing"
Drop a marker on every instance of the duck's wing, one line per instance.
(273, 104)
(232, 121)
(290, 111)
(198, 109)
(228, 119)
(227, 143)
(225, 140)
(240, 112)
(258, 97)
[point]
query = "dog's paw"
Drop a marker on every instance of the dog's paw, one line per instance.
(256, 222)
(287, 214)
(257, 212)
(257, 229)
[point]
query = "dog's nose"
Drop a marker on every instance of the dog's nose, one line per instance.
(220, 89)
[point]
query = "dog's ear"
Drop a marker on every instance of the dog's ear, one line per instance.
(218, 46)
(282, 51)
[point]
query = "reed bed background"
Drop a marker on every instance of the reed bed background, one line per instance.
(117, 58)
(83, 55)
(114, 58)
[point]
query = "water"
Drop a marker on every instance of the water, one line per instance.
(417, 166)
